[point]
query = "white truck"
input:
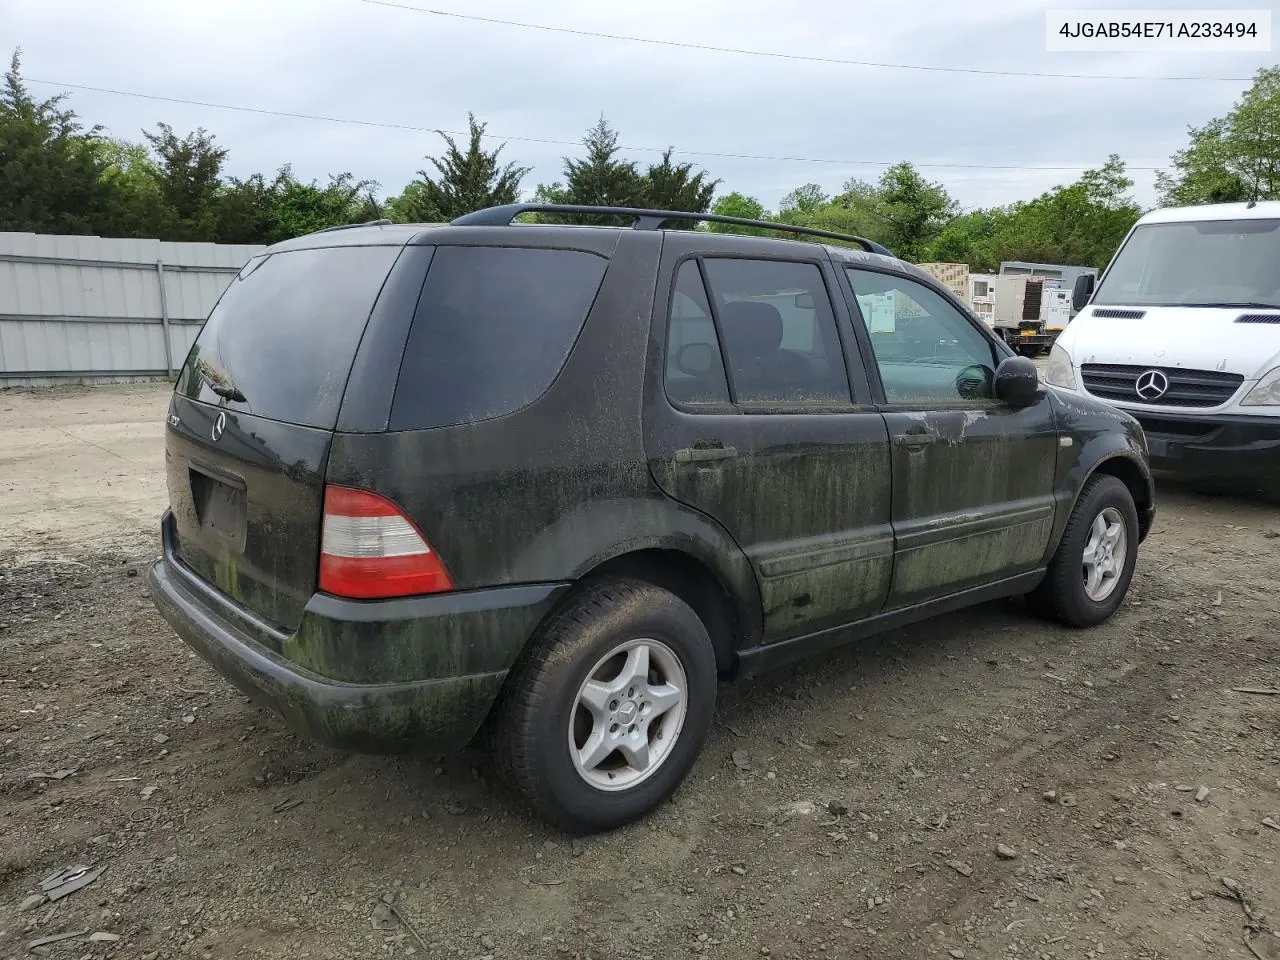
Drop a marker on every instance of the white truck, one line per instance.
(1029, 313)
(1183, 333)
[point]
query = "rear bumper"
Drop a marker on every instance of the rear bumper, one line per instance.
(1223, 448)
(441, 711)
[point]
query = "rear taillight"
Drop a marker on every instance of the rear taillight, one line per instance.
(369, 549)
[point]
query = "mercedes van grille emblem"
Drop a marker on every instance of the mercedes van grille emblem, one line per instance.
(1151, 385)
(218, 426)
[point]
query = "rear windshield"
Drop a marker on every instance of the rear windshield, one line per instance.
(280, 342)
(493, 327)
(1227, 263)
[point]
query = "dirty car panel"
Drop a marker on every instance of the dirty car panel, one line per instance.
(529, 407)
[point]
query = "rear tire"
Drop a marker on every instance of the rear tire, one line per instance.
(1090, 573)
(608, 707)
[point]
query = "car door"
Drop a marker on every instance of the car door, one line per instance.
(751, 419)
(972, 477)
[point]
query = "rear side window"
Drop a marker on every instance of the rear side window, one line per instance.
(493, 327)
(284, 334)
(695, 370)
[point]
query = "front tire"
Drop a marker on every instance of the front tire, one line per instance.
(1090, 573)
(609, 706)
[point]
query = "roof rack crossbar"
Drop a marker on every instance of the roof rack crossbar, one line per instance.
(351, 226)
(501, 216)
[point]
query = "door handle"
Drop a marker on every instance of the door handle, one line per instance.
(705, 454)
(914, 438)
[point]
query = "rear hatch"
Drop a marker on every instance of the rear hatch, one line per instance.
(252, 418)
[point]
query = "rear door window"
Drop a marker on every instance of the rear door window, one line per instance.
(493, 327)
(779, 331)
(280, 342)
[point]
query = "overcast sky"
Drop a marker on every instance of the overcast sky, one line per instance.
(353, 59)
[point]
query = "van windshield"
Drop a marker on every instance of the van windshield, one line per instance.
(1212, 263)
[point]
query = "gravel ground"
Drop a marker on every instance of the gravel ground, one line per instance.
(981, 786)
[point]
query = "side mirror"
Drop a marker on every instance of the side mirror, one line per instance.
(1017, 382)
(695, 359)
(1082, 290)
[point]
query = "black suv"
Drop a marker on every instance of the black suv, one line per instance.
(552, 481)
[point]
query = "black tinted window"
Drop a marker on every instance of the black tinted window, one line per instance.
(695, 369)
(926, 350)
(779, 332)
(284, 336)
(492, 330)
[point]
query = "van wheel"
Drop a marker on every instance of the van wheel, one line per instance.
(609, 706)
(1089, 576)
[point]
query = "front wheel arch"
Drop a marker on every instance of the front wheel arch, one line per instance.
(1062, 595)
(1140, 485)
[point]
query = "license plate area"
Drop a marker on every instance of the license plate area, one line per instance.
(1159, 447)
(219, 499)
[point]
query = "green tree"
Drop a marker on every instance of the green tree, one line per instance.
(242, 211)
(1231, 158)
(968, 238)
(601, 179)
(51, 169)
(739, 205)
(189, 173)
(901, 210)
(912, 211)
(411, 206)
(674, 186)
(802, 203)
(856, 220)
(1081, 223)
(462, 181)
(138, 207)
(292, 208)
(852, 211)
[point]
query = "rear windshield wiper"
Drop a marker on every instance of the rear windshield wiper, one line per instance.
(226, 391)
(229, 393)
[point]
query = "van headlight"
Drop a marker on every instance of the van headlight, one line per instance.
(1266, 392)
(1060, 372)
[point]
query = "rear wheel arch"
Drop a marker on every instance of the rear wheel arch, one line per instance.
(543, 699)
(726, 616)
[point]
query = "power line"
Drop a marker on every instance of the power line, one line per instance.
(386, 125)
(775, 55)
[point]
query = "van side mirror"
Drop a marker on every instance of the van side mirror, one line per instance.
(1082, 290)
(1017, 382)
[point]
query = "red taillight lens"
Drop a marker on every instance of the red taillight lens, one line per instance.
(369, 549)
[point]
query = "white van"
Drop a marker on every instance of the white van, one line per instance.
(1183, 333)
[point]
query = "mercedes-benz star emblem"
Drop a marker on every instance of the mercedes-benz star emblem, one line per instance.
(1151, 385)
(218, 426)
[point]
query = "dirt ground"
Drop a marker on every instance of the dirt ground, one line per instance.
(849, 807)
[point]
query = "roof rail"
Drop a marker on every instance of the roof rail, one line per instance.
(348, 226)
(651, 220)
